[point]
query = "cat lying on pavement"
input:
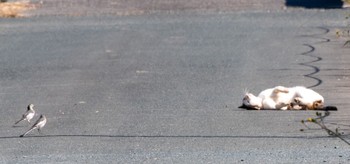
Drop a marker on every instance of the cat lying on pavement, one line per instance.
(283, 98)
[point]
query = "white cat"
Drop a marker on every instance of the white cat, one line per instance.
(308, 99)
(283, 98)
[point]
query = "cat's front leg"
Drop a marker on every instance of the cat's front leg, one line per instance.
(294, 106)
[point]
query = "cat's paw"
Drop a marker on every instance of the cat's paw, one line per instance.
(281, 89)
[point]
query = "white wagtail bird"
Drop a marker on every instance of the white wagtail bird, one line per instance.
(28, 115)
(40, 123)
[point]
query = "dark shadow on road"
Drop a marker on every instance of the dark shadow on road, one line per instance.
(316, 58)
(321, 4)
(326, 108)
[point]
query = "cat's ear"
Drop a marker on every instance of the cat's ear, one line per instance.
(297, 100)
(246, 97)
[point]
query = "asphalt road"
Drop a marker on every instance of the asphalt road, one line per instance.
(164, 88)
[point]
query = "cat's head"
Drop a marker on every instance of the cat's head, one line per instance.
(317, 104)
(251, 102)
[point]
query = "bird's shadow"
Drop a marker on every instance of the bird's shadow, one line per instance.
(20, 126)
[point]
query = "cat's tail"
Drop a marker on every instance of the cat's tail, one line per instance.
(326, 108)
(330, 108)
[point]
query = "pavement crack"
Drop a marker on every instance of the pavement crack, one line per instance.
(168, 136)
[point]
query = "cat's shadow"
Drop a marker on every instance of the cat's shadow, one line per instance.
(246, 107)
(326, 108)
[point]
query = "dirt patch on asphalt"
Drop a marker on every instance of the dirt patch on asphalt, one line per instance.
(15, 9)
(136, 7)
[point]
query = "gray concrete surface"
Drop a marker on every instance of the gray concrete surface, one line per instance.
(136, 7)
(164, 88)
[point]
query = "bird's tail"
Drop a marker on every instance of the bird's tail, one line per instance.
(28, 131)
(18, 121)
